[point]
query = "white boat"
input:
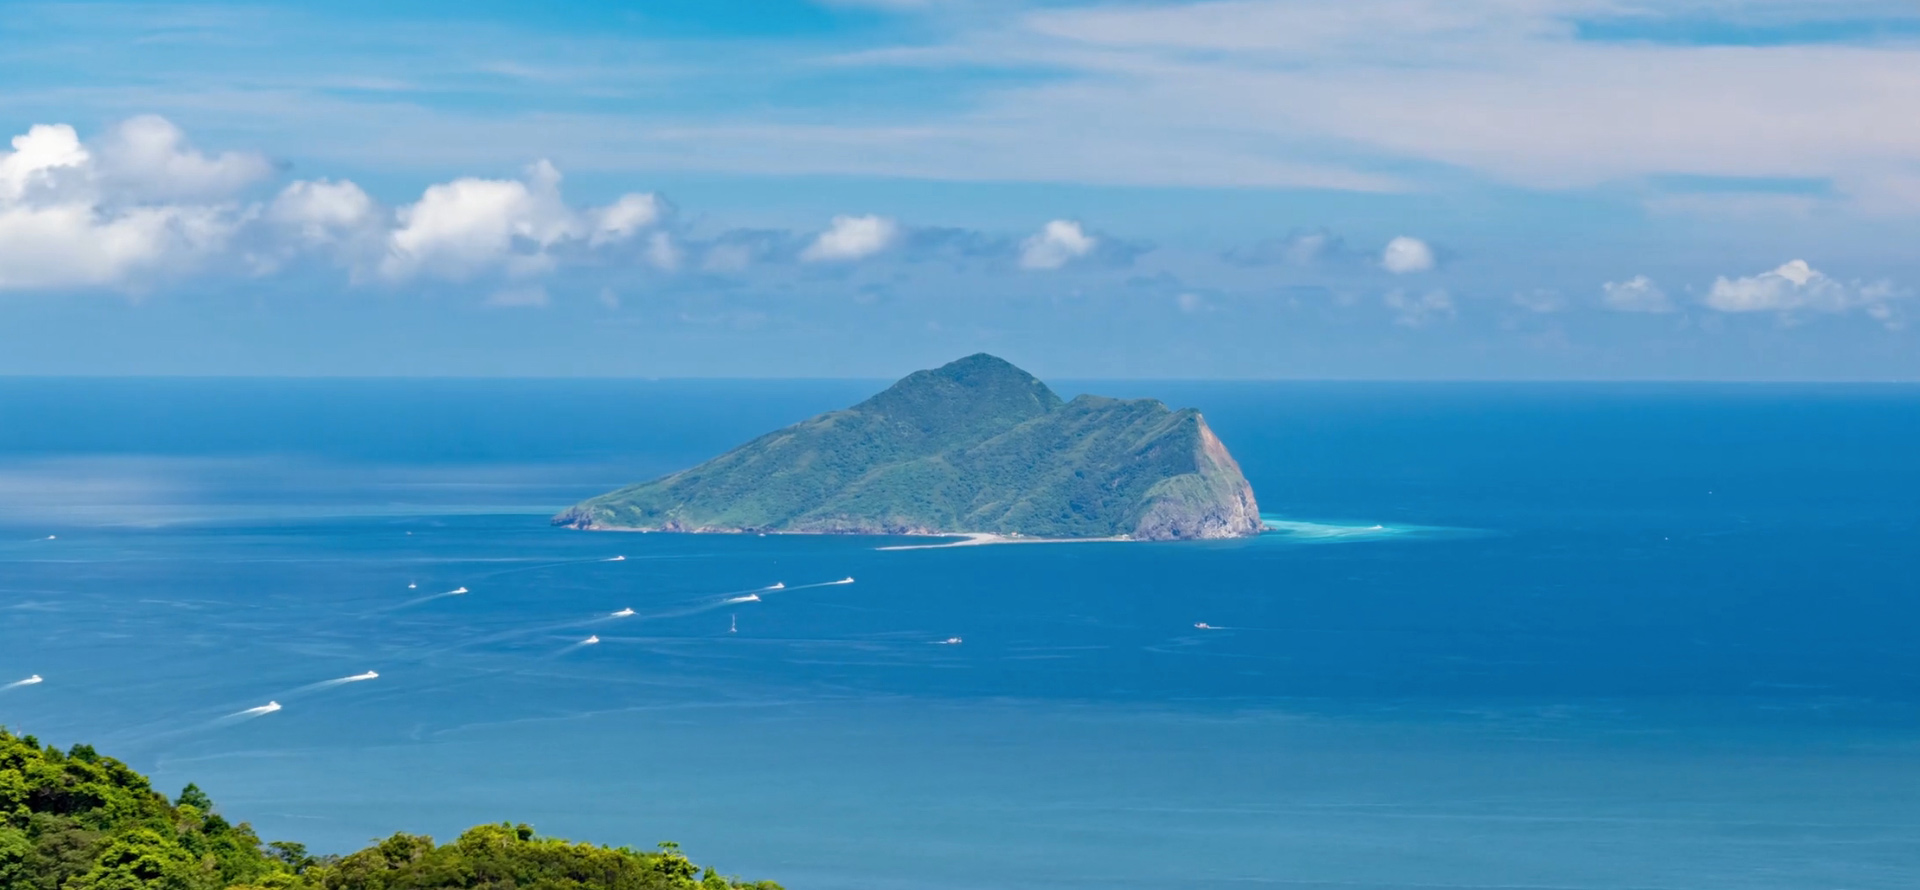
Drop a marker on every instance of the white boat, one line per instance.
(950, 641)
(1204, 626)
(456, 591)
(623, 613)
(412, 586)
(589, 641)
(733, 626)
(30, 681)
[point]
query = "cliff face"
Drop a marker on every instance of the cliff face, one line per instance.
(975, 446)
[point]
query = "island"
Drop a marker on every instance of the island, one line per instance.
(976, 447)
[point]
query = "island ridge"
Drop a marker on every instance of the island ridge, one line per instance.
(977, 446)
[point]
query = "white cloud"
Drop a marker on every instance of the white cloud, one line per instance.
(465, 227)
(148, 158)
(1405, 255)
(321, 211)
(626, 217)
(1798, 287)
(852, 238)
(43, 158)
(64, 222)
(471, 227)
(1636, 294)
(662, 253)
(1056, 244)
(1416, 311)
(77, 245)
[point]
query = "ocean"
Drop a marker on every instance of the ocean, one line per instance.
(1502, 636)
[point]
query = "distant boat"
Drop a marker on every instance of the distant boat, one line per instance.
(847, 580)
(1204, 626)
(950, 641)
(456, 591)
(30, 681)
(589, 641)
(623, 613)
(412, 586)
(618, 559)
(733, 626)
(370, 675)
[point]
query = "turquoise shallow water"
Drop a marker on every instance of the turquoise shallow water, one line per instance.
(1601, 638)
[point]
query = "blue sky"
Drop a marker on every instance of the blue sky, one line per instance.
(1406, 189)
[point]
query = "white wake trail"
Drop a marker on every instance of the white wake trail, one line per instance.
(339, 681)
(458, 591)
(248, 714)
(34, 680)
(846, 580)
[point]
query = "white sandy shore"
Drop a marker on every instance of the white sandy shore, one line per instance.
(978, 539)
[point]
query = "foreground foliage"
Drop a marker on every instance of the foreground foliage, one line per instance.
(76, 820)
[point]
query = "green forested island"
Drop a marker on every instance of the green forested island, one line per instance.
(75, 820)
(975, 447)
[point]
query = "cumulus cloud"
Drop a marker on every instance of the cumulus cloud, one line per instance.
(1636, 294)
(321, 211)
(1797, 287)
(148, 158)
(625, 218)
(1056, 244)
(43, 159)
(852, 238)
(469, 227)
(1418, 310)
(1405, 255)
(461, 228)
(63, 223)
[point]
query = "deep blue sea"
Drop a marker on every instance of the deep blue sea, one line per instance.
(1504, 636)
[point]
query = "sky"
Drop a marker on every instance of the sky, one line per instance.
(1293, 189)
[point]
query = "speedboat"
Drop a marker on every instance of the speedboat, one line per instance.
(1204, 626)
(456, 591)
(623, 613)
(950, 641)
(589, 641)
